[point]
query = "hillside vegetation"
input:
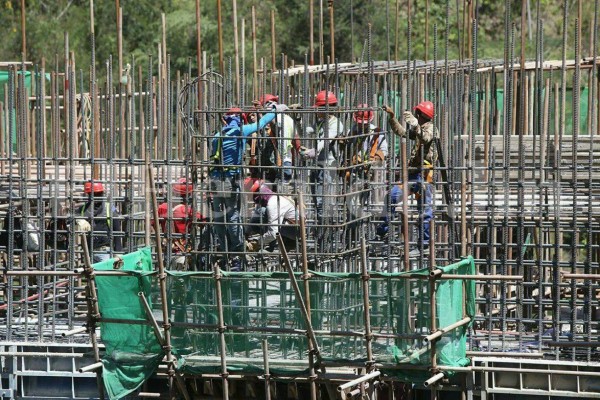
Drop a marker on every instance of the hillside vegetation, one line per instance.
(48, 22)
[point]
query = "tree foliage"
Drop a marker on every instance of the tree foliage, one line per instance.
(50, 23)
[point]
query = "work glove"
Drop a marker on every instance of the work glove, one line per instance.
(295, 106)
(81, 225)
(252, 245)
(378, 156)
(389, 110)
(410, 119)
(307, 153)
(271, 106)
(281, 107)
(382, 229)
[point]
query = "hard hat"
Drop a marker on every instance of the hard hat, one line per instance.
(268, 98)
(233, 116)
(325, 97)
(234, 110)
(95, 188)
(363, 116)
(252, 184)
(426, 108)
(182, 187)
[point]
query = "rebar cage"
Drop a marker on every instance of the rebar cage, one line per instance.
(516, 189)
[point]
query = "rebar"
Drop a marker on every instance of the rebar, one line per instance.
(518, 189)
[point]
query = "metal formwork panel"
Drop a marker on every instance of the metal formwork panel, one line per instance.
(42, 371)
(537, 378)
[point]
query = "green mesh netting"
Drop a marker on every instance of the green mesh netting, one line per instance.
(132, 350)
(262, 308)
(455, 299)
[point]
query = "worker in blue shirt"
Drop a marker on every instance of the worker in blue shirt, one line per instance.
(228, 147)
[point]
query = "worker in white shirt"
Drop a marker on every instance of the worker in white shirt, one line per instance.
(274, 214)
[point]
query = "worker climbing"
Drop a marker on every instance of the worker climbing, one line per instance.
(225, 175)
(420, 170)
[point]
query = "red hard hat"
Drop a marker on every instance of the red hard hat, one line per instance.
(96, 187)
(182, 187)
(234, 110)
(252, 184)
(268, 98)
(325, 97)
(426, 108)
(363, 116)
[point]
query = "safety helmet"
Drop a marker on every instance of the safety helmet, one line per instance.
(426, 108)
(96, 187)
(234, 110)
(182, 187)
(325, 97)
(252, 184)
(363, 116)
(233, 116)
(268, 98)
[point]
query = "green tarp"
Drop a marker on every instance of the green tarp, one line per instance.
(132, 351)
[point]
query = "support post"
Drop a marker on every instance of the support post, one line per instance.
(93, 310)
(313, 345)
(163, 286)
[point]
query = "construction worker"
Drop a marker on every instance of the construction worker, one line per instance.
(420, 173)
(225, 174)
(18, 233)
(286, 131)
(104, 221)
(363, 147)
(328, 127)
(182, 216)
(274, 214)
(266, 155)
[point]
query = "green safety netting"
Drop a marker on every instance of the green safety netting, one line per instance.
(262, 314)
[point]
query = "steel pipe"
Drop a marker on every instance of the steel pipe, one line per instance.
(437, 334)
(91, 367)
(433, 379)
(74, 331)
(364, 378)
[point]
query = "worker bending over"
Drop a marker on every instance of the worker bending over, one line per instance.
(274, 214)
(181, 224)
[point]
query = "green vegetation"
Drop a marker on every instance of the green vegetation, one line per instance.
(49, 21)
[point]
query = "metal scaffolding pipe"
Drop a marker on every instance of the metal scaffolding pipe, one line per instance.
(364, 378)
(75, 331)
(437, 334)
(91, 367)
(433, 379)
